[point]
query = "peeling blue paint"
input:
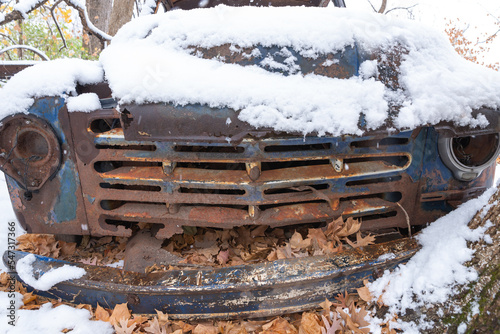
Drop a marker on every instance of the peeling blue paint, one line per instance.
(66, 203)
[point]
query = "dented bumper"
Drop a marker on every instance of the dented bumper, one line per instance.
(282, 286)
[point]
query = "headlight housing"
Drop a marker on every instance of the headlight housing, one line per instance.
(468, 156)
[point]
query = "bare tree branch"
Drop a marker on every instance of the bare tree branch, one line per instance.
(8, 37)
(30, 48)
(87, 24)
(403, 8)
(18, 15)
(383, 6)
(65, 46)
(371, 5)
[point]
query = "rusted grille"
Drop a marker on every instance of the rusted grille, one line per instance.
(271, 181)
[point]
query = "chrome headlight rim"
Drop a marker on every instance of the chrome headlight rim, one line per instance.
(461, 171)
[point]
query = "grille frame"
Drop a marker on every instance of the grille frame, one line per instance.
(225, 195)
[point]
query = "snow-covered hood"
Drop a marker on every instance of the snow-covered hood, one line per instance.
(307, 70)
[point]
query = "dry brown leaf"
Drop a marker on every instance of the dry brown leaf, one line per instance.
(223, 257)
(331, 329)
(279, 326)
(123, 328)
(273, 256)
(351, 323)
(358, 315)
(244, 237)
(309, 324)
(41, 244)
(205, 329)
(138, 320)
(350, 227)
(297, 242)
(360, 241)
(67, 248)
(364, 292)
(318, 235)
(101, 313)
(326, 305)
(162, 318)
(231, 328)
(103, 241)
(89, 261)
(120, 311)
(85, 306)
(155, 327)
(4, 279)
(333, 228)
(345, 300)
(209, 252)
(252, 326)
(28, 298)
(185, 327)
(259, 231)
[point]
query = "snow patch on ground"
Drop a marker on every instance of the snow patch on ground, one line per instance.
(49, 78)
(431, 275)
(50, 320)
(118, 264)
(25, 270)
(85, 102)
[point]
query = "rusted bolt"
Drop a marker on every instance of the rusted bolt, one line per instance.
(377, 273)
(338, 164)
(335, 204)
(253, 212)
(253, 170)
(133, 299)
(168, 167)
(173, 208)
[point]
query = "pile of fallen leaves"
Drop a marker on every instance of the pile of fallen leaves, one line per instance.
(213, 247)
(347, 314)
(247, 244)
(93, 251)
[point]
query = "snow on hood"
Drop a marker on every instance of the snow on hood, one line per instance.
(50, 78)
(153, 59)
(149, 60)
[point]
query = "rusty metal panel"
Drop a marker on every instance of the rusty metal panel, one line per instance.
(198, 183)
(8, 69)
(56, 205)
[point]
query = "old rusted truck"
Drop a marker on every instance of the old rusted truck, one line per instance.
(172, 165)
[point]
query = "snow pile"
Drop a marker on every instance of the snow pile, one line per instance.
(51, 78)
(437, 84)
(24, 269)
(431, 275)
(50, 320)
(85, 102)
(25, 6)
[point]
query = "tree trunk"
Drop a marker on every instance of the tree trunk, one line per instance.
(481, 296)
(121, 14)
(99, 13)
